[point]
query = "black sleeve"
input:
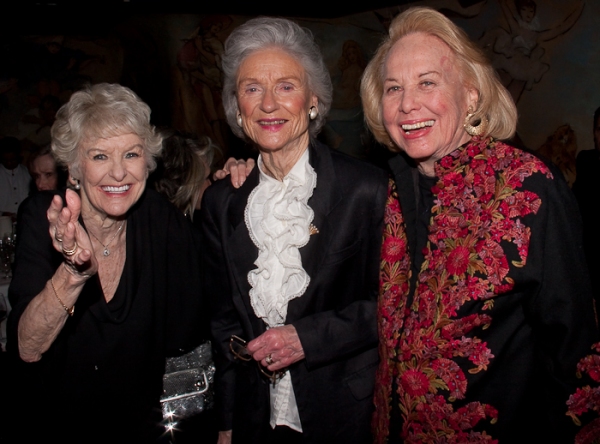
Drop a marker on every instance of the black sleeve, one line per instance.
(187, 315)
(224, 318)
(562, 309)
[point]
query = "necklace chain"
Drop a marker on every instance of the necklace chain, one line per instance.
(106, 251)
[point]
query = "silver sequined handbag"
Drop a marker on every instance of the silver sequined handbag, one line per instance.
(187, 384)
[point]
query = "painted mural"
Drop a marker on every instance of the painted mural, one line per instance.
(545, 52)
(517, 49)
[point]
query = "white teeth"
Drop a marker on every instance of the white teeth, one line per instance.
(415, 126)
(273, 122)
(120, 189)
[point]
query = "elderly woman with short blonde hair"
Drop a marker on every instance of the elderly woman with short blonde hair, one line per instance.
(105, 283)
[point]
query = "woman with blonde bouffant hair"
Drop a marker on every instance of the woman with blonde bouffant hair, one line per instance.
(495, 103)
(485, 306)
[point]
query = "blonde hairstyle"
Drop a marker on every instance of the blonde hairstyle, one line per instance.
(182, 168)
(495, 102)
(98, 111)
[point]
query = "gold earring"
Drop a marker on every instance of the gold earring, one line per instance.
(478, 129)
(313, 112)
(239, 120)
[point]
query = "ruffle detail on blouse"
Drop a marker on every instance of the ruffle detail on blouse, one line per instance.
(278, 219)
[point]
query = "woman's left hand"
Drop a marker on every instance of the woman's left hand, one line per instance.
(277, 348)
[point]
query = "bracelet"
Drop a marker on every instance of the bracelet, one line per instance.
(69, 311)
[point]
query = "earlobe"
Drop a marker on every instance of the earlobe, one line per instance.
(75, 183)
(473, 98)
(313, 111)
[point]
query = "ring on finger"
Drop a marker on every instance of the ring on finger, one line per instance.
(269, 359)
(72, 251)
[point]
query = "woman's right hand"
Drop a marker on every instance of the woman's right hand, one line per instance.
(69, 237)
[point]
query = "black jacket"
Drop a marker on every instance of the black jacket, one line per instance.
(335, 318)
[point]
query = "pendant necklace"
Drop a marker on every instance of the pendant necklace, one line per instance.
(106, 251)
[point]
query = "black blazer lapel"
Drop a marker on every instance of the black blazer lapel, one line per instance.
(326, 196)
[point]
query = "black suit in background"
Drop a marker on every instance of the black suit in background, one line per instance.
(335, 318)
(587, 191)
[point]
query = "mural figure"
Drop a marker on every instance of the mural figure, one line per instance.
(57, 67)
(517, 53)
(351, 64)
(35, 125)
(198, 81)
(561, 149)
(344, 125)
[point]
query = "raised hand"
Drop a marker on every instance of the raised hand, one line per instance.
(69, 237)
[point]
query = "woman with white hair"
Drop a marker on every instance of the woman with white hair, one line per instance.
(106, 281)
(292, 255)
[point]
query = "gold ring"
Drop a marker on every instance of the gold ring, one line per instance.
(269, 359)
(70, 252)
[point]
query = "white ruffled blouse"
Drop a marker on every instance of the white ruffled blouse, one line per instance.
(278, 220)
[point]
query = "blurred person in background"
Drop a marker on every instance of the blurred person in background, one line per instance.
(14, 177)
(44, 170)
(184, 169)
(587, 190)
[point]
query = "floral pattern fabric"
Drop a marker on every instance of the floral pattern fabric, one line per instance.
(433, 343)
(587, 399)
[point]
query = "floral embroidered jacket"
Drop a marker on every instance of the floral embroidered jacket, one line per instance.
(485, 348)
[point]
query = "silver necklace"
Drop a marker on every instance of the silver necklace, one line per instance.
(106, 251)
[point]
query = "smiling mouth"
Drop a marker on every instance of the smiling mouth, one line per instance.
(415, 126)
(271, 122)
(121, 189)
